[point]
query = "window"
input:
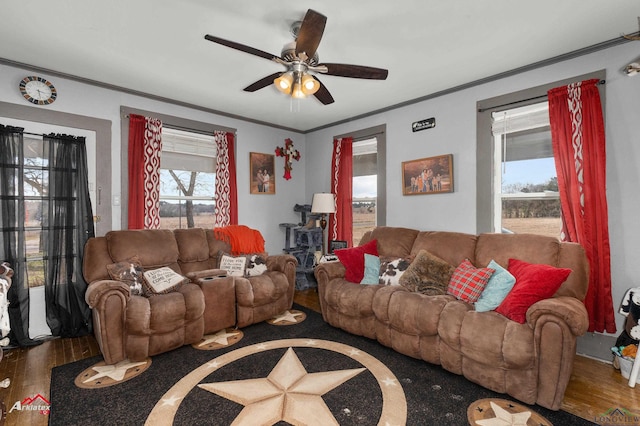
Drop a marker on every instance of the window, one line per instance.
(187, 179)
(526, 198)
(365, 187)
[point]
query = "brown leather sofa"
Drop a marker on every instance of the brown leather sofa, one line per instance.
(532, 362)
(134, 327)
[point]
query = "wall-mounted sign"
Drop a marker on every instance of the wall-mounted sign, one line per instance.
(428, 123)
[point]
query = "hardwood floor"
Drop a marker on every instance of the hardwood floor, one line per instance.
(595, 387)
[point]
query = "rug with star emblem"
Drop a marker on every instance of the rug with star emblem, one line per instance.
(305, 373)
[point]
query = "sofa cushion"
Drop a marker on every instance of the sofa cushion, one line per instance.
(162, 280)
(453, 247)
(129, 272)
(353, 260)
(392, 241)
(427, 274)
(192, 244)
(534, 282)
(499, 285)
(146, 244)
(392, 269)
(467, 281)
(371, 269)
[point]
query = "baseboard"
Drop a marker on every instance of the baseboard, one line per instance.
(596, 346)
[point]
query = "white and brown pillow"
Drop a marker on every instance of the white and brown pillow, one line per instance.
(391, 269)
(130, 272)
(256, 265)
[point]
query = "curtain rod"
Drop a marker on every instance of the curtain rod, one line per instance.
(526, 100)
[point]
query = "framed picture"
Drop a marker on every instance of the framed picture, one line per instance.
(263, 180)
(432, 175)
(336, 244)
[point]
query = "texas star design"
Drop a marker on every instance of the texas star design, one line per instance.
(287, 316)
(221, 338)
(287, 394)
(505, 418)
(116, 372)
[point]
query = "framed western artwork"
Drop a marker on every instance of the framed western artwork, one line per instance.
(262, 173)
(431, 175)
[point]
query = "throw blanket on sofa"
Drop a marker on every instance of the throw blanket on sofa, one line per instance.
(242, 239)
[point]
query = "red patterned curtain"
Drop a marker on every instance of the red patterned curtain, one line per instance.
(145, 146)
(226, 188)
(577, 133)
(341, 223)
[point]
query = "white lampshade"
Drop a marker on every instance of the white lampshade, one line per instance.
(323, 203)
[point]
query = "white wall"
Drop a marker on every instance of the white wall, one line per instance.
(263, 212)
(455, 133)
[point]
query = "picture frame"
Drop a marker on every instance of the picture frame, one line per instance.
(262, 167)
(430, 175)
(336, 245)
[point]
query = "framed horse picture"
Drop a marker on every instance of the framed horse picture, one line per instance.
(431, 175)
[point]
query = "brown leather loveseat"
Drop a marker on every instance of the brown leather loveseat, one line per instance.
(532, 362)
(134, 327)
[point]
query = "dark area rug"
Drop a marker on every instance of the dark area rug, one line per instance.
(433, 395)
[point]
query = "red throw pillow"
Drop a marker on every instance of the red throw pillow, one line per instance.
(467, 281)
(534, 282)
(353, 260)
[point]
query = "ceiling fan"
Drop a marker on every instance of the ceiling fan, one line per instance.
(300, 59)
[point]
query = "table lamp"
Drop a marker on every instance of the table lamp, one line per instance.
(323, 203)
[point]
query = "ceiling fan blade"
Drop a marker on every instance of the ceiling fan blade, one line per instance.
(241, 47)
(262, 83)
(310, 33)
(356, 71)
(323, 94)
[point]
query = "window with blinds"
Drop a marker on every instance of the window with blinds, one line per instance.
(525, 184)
(187, 179)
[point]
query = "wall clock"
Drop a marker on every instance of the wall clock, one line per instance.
(38, 90)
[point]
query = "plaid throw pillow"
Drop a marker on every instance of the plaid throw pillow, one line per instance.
(467, 281)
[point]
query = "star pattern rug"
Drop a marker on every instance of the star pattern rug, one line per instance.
(309, 373)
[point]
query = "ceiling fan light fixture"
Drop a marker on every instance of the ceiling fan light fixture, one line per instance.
(297, 92)
(309, 85)
(284, 82)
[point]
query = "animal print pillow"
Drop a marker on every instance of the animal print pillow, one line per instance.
(130, 272)
(391, 269)
(256, 265)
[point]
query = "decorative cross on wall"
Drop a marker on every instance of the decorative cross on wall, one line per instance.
(289, 154)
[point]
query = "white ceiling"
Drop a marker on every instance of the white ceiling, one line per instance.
(157, 47)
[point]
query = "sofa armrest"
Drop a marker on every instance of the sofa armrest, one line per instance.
(568, 309)
(284, 263)
(196, 275)
(98, 290)
(109, 300)
(329, 270)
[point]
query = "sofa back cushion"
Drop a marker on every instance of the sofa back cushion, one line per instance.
(538, 249)
(216, 247)
(193, 250)
(454, 247)
(392, 242)
(154, 247)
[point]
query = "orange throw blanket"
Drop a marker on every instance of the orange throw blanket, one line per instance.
(243, 240)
